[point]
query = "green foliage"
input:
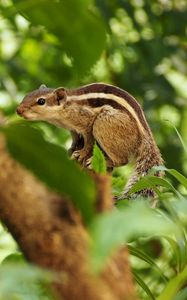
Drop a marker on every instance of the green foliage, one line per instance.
(181, 178)
(20, 281)
(110, 230)
(72, 27)
(137, 220)
(173, 286)
(98, 161)
(144, 286)
(141, 255)
(141, 47)
(152, 182)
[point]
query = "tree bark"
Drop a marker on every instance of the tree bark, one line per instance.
(50, 232)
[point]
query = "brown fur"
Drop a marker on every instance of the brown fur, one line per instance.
(122, 133)
(110, 89)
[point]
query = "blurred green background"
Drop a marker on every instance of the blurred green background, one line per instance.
(138, 45)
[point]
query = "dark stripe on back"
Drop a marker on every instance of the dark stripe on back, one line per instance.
(110, 89)
(99, 102)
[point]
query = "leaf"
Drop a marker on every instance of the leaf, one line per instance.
(140, 254)
(143, 285)
(24, 281)
(78, 26)
(98, 160)
(115, 228)
(178, 81)
(14, 258)
(152, 182)
(173, 286)
(118, 184)
(182, 295)
(181, 178)
(176, 250)
(179, 136)
(49, 162)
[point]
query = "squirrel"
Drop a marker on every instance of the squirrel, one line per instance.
(100, 113)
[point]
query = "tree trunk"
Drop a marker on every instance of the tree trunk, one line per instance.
(51, 234)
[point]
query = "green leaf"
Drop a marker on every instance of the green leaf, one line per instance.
(118, 184)
(14, 258)
(98, 160)
(77, 24)
(181, 178)
(152, 182)
(178, 81)
(138, 253)
(176, 250)
(173, 286)
(112, 229)
(182, 295)
(24, 281)
(50, 163)
(179, 136)
(143, 285)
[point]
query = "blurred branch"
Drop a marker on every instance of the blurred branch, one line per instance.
(50, 232)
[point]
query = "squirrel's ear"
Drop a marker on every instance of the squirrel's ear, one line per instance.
(42, 86)
(60, 93)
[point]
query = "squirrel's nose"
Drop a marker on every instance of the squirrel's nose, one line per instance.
(20, 110)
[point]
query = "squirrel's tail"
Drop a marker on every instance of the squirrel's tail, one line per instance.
(149, 156)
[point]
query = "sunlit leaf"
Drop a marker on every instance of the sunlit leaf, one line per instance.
(178, 81)
(14, 258)
(118, 184)
(152, 182)
(181, 178)
(98, 160)
(173, 286)
(78, 26)
(23, 281)
(116, 228)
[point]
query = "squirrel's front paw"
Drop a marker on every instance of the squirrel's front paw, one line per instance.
(80, 155)
(77, 155)
(88, 163)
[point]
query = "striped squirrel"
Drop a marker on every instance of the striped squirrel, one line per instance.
(99, 113)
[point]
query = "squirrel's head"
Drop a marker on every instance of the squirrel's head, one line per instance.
(42, 104)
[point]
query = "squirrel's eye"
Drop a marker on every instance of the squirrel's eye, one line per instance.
(41, 101)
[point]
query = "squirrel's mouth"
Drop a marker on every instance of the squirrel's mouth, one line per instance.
(22, 112)
(26, 115)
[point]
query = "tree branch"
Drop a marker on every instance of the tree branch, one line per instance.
(49, 231)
